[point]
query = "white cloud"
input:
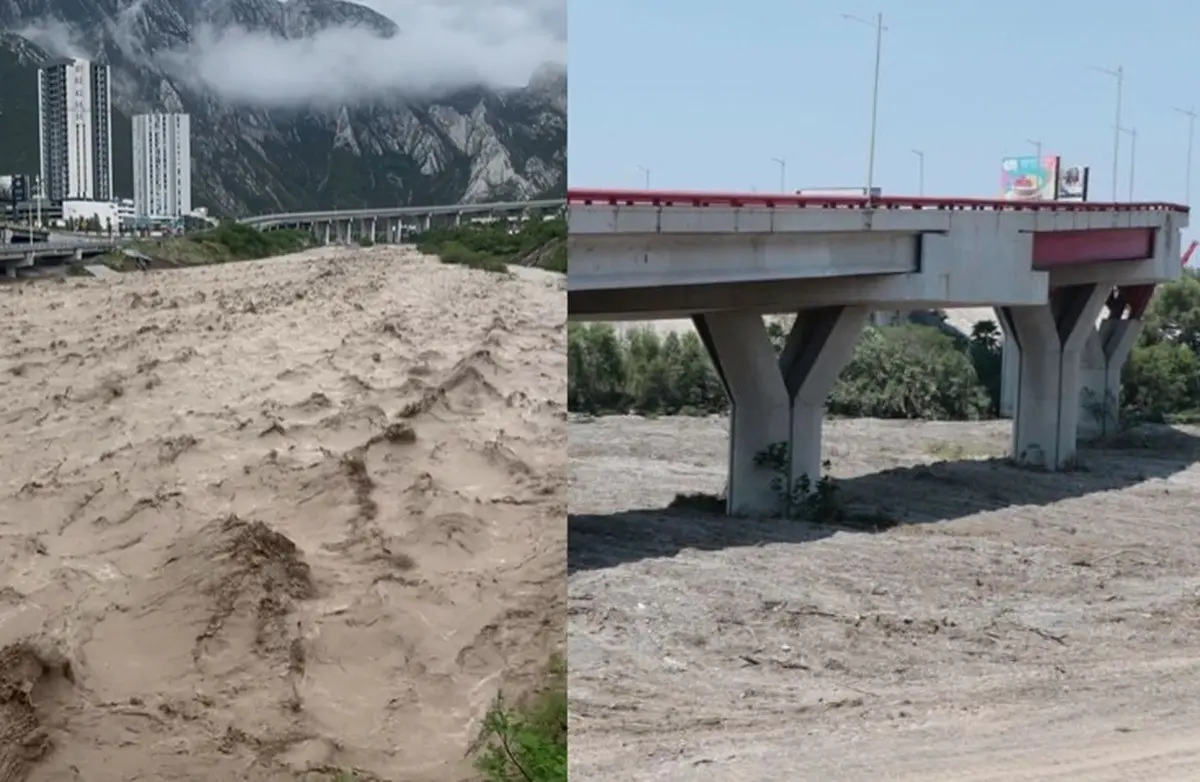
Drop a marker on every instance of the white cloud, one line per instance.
(442, 44)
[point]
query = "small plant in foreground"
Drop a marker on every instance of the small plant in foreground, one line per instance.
(803, 498)
(529, 744)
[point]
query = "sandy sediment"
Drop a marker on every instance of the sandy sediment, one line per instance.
(263, 519)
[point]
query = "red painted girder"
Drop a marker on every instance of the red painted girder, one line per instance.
(1052, 249)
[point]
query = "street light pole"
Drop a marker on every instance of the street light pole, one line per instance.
(646, 172)
(879, 30)
(1132, 157)
(1187, 187)
(920, 171)
(1119, 75)
(1037, 146)
(782, 173)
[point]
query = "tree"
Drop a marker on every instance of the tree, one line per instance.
(1161, 379)
(896, 372)
(1174, 313)
(909, 371)
(597, 378)
(986, 351)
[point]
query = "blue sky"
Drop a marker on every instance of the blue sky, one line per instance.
(705, 92)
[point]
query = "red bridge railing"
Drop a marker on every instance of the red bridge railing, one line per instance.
(586, 196)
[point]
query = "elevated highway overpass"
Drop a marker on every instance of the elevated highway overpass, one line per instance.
(14, 257)
(391, 224)
(23, 247)
(1050, 270)
(15, 233)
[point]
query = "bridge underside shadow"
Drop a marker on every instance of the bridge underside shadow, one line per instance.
(930, 493)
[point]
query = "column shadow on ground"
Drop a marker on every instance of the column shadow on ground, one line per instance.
(923, 494)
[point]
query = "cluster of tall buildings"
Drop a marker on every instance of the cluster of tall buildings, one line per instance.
(75, 138)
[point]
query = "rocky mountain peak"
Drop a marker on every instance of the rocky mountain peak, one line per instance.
(291, 104)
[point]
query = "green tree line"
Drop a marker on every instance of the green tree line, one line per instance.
(494, 246)
(908, 371)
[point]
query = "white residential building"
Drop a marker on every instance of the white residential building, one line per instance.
(75, 130)
(103, 216)
(162, 165)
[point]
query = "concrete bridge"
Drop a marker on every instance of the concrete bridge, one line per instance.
(392, 224)
(15, 233)
(1050, 270)
(14, 257)
(23, 247)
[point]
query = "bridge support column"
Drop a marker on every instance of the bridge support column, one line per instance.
(776, 399)
(1105, 352)
(1010, 362)
(1050, 340)
(1104, 355)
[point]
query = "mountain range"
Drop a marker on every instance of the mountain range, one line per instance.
(253, 153)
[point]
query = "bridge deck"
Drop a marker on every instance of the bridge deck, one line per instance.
(387, 213)
(963, 250)
(685, 198)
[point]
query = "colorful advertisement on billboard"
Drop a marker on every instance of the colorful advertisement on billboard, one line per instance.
(1073, 183)
(1029, 178)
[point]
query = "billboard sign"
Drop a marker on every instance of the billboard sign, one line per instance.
(1073, 183)
(1029, 178)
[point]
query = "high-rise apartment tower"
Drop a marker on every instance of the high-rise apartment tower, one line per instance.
(162, 165)
(75, 130)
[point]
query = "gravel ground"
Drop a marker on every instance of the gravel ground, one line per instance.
(1016, 625)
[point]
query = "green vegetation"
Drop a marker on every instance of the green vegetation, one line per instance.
(911, 371)
(907, 371)
(1161, 380)
(528, 743)
(492, 247)
(228, 242)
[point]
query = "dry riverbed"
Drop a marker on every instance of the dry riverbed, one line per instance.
(1015, 626)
